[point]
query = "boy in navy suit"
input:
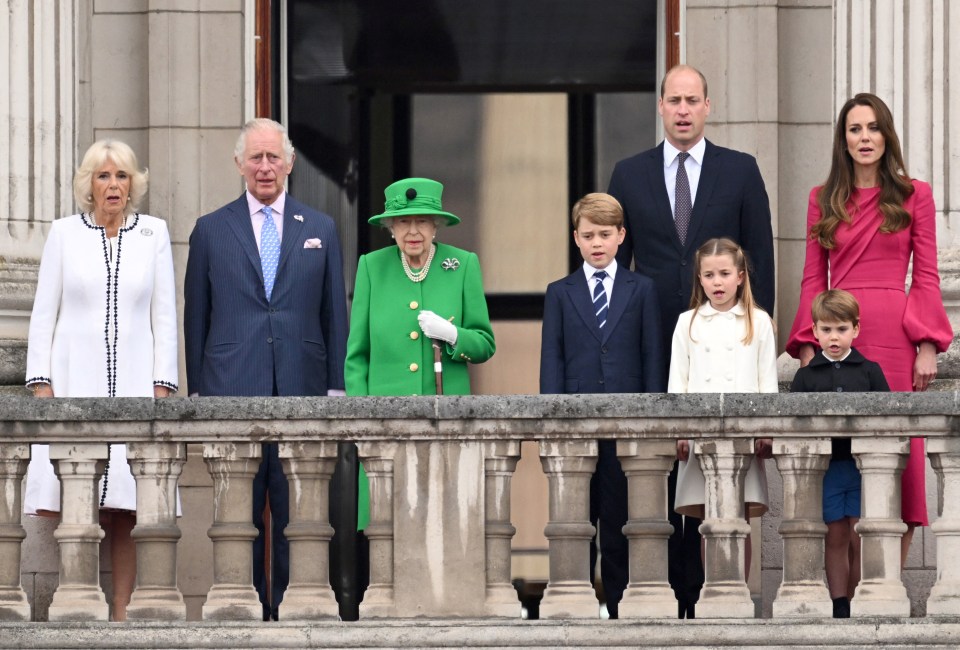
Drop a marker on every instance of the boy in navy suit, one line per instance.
(602, 334)
(839, 368)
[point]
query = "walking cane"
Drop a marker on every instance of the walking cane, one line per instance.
(437, 365)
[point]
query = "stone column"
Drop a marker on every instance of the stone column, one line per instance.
(156, 468)
(880, 592)
(232, 467)
(500, 461)
(945, 596)
(36, 154)
(725, 593)
(309, 466)
(803, 592)
(79, 597)
(569, 466)
(378, 458)
(14, 605)
(647, 464)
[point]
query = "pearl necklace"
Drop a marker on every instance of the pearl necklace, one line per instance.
(422, 273)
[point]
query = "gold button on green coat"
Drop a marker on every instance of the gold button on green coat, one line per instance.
(414, 367)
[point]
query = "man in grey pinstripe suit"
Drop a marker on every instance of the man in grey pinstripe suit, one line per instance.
(265, 312)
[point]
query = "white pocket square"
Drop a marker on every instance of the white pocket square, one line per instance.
(313, 243)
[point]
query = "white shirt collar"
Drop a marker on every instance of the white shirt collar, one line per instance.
(611, 270)
(696, 152)
(832, 360)
(255, 206)
(707, 309)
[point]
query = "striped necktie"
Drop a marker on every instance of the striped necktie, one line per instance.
(600, 299)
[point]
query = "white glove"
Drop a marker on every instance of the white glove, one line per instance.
(437, 328)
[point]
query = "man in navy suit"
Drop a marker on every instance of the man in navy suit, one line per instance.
(265, 313)
(601, 334)
(675, 197)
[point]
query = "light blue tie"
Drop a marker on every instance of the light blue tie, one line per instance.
(269, 250)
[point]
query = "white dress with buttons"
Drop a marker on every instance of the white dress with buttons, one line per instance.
(710, 357)
(104, 324)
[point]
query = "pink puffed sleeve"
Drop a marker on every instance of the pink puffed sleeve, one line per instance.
(925, 318)
(814, 281)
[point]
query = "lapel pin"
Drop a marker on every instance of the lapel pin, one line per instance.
(298, 217)
(450, 264)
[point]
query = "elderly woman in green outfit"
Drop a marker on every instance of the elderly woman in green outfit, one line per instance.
(414, 293)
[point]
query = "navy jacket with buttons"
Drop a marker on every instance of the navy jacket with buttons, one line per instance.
(855, 374)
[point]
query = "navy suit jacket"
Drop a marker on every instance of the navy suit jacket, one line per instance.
(731, 202)
(236, 340)
(625, 356)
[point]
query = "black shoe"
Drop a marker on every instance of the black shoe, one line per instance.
(266, 612)
(841, 607)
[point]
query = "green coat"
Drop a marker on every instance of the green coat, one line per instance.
(387, 354)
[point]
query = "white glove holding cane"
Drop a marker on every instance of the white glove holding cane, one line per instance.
(437, 328)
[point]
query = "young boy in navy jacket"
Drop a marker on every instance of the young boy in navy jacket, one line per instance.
(839, 368)
(601, 334)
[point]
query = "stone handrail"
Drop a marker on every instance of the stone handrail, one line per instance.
(408, 444)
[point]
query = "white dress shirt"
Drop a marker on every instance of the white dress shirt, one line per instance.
(693, 166)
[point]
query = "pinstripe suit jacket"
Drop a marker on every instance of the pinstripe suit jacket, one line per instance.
(236, 340)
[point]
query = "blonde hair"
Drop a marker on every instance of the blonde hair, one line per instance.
(600, 208)
(263, 123)
(123, 157)
(724, 246)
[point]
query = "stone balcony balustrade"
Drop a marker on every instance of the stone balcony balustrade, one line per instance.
(440, 528)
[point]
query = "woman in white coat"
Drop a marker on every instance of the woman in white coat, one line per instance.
(104, 324)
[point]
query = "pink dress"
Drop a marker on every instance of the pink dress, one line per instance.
(873, 267)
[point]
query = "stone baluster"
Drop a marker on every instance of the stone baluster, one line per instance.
(156, 468)
(647, 464)
(232, 467)
(945, 596)
(880, 592)
(14, 605)
(500, 461)
(79, 597)
(308, 467)
(803, 592)
(378, 460)
(725, 593)
(569, 466)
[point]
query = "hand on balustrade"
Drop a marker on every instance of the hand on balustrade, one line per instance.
(42, 390)
(683, 450)
(925, 367)
(763, 447)
(159, 392)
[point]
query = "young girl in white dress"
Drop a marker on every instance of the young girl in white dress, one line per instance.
(724, 344)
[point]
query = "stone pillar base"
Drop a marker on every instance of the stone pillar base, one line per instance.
(14, 606)
(725, 600)
(876, 606)
(157, 604)
(944, 601)
(378, 602)
(569, 600)
(650, 600)
(232, 604)
(304, 602)
(802, 600)
(78, 604)
(502, 602)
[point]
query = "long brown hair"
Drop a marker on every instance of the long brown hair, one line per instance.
(895, 185)
(698, 297)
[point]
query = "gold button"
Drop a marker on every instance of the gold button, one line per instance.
(414, 335)
(414, 367)
(413, 304)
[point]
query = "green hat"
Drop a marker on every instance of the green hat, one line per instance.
(414, 197)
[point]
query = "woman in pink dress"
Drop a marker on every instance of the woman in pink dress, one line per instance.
(864, 224)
